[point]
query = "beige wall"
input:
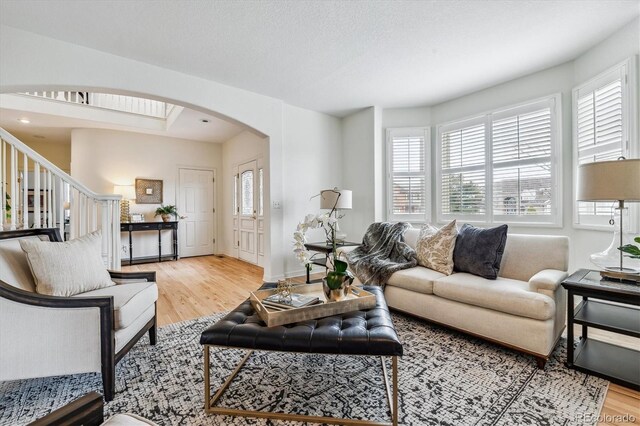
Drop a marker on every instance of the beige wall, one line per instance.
(58, 153)
(101, 159)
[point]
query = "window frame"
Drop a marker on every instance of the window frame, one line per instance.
(425, 133)
(555, 219)
(626, 70)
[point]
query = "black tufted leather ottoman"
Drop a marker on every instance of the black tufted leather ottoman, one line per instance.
(369, 333)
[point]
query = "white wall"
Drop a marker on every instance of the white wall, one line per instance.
(101, 159)
(312, 152)
(361, 153)
(240, 149)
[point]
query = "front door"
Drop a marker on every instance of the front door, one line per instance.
(195, 206)
(248, 214)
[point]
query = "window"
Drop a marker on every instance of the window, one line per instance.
(603, 119)
(261, 194)
(408, 169)
(503, 166)
(236, 208)
(246, 195)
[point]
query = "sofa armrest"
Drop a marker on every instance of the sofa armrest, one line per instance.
(119, 277)
(547, 281)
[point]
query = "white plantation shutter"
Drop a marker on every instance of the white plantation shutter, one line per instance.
(601, 119)
(502, 166)
(407, 165)
(521, 148)
(463, 182)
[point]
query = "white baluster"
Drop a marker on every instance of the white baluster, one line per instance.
(14, 187)
(49, 210)
(3, 183)
(60, 204)
(54, 201)
(115, 235)
(25, 192)
(73, 219)
(37, 221)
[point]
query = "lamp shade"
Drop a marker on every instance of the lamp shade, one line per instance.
(127, 191)
(609, 181)
(328, 198)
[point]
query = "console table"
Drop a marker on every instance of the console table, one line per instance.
(151, 226)
(615, 363)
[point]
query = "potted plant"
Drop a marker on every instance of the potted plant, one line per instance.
(337, 283)
(166, 212)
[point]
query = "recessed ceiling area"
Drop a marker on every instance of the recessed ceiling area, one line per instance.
(335, 56)
(56, 128)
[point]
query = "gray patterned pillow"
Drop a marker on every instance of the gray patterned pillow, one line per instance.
(479, 251)
(435, 247)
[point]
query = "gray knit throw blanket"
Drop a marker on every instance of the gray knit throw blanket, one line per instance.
(383, 252)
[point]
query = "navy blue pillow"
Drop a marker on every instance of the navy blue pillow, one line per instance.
(479, 251)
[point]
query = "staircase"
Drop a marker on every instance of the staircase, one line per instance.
(37, 194)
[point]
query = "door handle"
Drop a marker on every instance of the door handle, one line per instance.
(183, 217)
(254, 217)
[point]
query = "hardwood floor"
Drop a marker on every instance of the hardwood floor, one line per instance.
(199, 286)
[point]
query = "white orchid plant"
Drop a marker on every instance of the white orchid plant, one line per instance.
(311, 221)
(327, 221)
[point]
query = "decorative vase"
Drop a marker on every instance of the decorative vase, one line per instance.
(166, 217)
(609, 259)
(338, 294)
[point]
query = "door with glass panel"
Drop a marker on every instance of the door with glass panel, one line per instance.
(248, 212)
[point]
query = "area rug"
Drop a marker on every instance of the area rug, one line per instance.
(445, 378)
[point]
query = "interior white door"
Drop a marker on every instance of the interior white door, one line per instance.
(195, 206)
(248, 214)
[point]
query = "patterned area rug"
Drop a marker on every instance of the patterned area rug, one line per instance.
(445, 378)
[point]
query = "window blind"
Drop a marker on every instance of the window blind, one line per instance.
(407, 169)
(521, 148)
(599, 133)
(502, 166)
(463, 182)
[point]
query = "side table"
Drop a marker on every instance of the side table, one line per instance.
(618, 364)
(325, 248)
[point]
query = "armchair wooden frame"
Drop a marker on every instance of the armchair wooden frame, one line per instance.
(109, 358)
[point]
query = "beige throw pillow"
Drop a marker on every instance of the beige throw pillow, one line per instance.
(69, 268)
(435, 247)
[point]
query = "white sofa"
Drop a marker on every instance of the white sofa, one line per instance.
(524, 309)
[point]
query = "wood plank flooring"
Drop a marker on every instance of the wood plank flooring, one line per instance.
(199, 286)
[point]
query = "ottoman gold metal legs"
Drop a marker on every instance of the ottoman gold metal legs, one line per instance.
(210, 403)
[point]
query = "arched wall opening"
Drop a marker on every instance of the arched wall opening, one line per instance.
(31, 62)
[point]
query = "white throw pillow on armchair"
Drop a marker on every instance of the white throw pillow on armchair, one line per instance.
(68, 268)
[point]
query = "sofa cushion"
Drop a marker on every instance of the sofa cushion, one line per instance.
(435, 247)
(416, 279)
(127, 419)
(68, 268)
(503, 294)
(129, 301)
(479, 251)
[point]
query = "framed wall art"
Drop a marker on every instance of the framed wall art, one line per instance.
(31, 195)
(148, 191)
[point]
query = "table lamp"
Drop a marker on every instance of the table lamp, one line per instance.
(612, 181)
(128, 193)
(338, 199)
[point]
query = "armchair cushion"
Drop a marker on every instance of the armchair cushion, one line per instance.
(129, 301)
(69, 268)
(14, 268)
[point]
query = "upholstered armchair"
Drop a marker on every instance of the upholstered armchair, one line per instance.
(43, 335)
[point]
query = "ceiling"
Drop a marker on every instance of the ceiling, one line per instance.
(335, 56)
(54, 128)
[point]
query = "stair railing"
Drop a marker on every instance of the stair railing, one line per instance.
(35, 193)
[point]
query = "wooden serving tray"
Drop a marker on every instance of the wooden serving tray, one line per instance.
(353, 302)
